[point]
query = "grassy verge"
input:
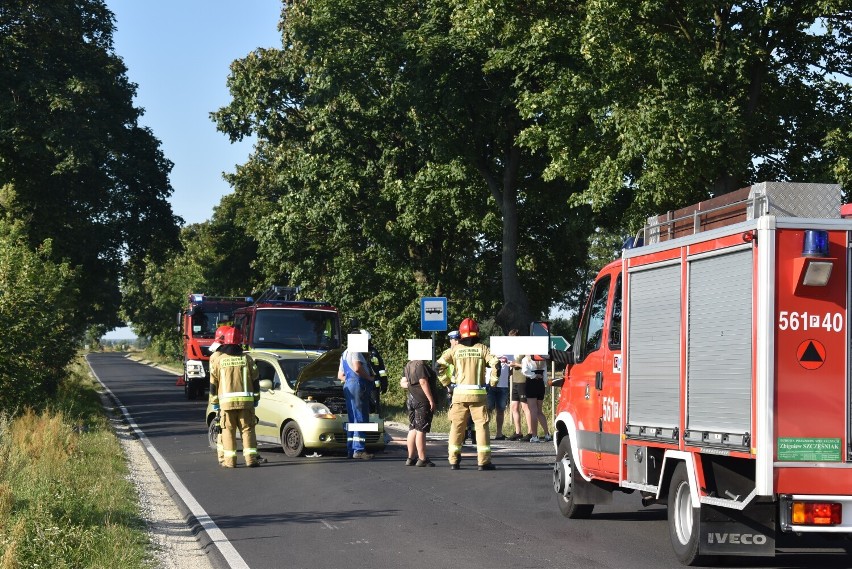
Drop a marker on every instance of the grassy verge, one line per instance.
(65, 496)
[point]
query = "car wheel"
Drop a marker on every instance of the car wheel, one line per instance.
(291, 440)
(565, 481)
(212, 435)
(683, 518)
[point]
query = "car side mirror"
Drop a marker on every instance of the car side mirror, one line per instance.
(265, 384)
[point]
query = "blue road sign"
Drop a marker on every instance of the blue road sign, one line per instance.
(433, 313)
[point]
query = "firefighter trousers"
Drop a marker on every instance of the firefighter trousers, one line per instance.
(459, 412)
(232, 420)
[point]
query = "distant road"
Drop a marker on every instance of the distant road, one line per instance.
(333, 512)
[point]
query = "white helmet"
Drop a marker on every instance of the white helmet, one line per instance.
(369, 337)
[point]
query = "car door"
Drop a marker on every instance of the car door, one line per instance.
(586, 376)
(268, 408)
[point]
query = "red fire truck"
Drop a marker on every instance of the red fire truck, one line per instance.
(197, 325)
(711, 373)
(277, 322)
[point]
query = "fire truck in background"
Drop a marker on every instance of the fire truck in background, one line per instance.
(197, 324)
(711, 373)
(277, 322)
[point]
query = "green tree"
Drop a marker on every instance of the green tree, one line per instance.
(214, 258)
(674, 102)
(387, 168)
(75, 166)
(37, 300)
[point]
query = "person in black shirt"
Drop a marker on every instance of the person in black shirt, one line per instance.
(421, 407)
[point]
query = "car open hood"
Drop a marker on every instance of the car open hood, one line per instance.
(322, 371)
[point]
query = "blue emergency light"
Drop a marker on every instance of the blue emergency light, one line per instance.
(816, 243)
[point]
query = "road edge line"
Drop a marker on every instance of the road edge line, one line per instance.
(215, 536)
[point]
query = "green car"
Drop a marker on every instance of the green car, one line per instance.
(301, 404)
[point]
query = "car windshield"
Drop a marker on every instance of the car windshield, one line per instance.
(296, 329)
(292, 369)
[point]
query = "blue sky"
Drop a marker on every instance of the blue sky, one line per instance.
(178, 52)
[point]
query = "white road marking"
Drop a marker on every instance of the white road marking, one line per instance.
(225, 547)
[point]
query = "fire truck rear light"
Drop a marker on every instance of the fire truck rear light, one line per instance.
(817, 514)
(816, 243)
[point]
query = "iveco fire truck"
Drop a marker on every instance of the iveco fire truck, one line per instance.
(197, 325)
(277, 322)
(711, 373)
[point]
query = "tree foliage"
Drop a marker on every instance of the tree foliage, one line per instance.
(386, 167)
(75, 166)
(673, 102)
(214, 258)
(37, 300)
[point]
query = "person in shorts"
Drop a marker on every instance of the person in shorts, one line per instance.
(519, 401)
(420, 402)
(535, 370)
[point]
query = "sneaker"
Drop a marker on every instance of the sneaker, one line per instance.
(363, 455)
(410, 461)
(454, 466)
(516, 437)
(526, 438)
(500, 437)
(486, 466)
(547, 438)
(535, 439)
(425, 462)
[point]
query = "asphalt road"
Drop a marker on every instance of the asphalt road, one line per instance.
(333, 512)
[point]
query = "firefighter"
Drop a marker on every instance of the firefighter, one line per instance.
(469, 359)
(234, 393)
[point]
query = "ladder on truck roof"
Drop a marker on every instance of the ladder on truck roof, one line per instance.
(277, 292)
(783, 199)
(286, 295)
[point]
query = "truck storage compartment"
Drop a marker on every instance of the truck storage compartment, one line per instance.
(719, 349)
(654, 352)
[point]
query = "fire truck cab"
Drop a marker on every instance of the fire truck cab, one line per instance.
(711, 372)
(277, 322)
(197, 325)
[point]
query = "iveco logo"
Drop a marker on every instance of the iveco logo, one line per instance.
(737, 538)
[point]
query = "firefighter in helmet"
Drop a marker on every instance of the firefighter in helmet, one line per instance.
(234, 393)
(469, 359)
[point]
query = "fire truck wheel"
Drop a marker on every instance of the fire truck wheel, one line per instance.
(565, 481)
(291, 440)
(683, 517)
(189, 389)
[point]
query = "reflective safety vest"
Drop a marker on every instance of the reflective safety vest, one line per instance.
(469, 363)
(233, 381)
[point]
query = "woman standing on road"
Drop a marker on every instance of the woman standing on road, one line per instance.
(536, 373)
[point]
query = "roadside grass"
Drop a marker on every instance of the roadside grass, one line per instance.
(66, 500)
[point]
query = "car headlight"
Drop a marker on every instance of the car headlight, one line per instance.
(320, 411)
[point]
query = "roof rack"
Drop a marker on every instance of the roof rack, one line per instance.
(783, 199)
(276, 292)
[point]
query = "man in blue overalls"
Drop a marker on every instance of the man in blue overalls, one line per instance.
(355, 372)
